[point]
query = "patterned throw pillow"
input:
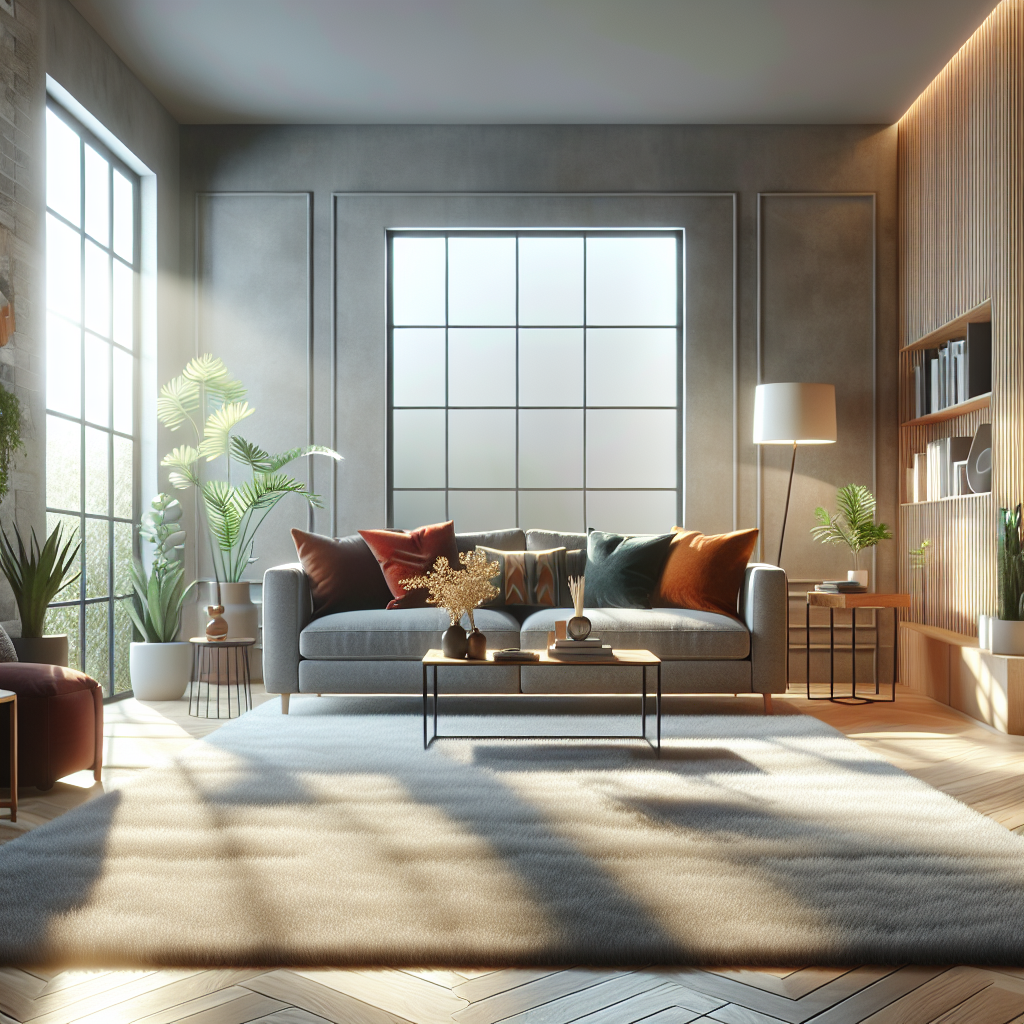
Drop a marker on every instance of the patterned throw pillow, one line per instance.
(528, 577)
(7, 651)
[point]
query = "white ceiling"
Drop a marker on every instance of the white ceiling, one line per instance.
(535, 61)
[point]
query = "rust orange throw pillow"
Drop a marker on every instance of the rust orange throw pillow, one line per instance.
(705, 572)
(402, 554)
(343, 574)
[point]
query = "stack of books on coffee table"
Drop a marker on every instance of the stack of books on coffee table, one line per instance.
(841, 587)
(591, 649)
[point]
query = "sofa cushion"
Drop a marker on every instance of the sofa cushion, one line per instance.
(705, 572)
(503, 540)
(343, 573)
(528, 577)
(541, 540)
(403, 554)
(402, 633)
(670, 633)
(623, 572)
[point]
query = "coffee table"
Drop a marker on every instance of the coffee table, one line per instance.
(435, 659)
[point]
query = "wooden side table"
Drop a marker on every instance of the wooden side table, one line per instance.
(225, 663)
(817, 599)
(7, 697)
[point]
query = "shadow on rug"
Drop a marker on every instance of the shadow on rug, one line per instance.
(331, 838)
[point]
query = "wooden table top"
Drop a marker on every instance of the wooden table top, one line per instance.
(233, 641)
(817, 599)
(622, 657)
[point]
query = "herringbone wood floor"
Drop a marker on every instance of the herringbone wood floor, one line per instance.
(974, 764)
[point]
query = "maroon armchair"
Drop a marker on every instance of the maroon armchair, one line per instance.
(60, 723)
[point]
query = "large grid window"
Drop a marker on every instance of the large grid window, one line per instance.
(92, 254)
(534, 379)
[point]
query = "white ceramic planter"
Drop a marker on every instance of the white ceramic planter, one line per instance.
(243, 619)
(1007, 637)
(985, 632)
(859, 575)
(46, 650)
(160, 671)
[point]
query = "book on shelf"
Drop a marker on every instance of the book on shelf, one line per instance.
(941, 455)
(955, 372)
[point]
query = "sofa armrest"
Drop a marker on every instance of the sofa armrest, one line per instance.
(764, 607)
(287, 609)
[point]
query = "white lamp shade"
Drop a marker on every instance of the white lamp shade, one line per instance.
(795, 414)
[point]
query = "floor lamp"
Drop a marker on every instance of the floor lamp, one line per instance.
(794, 414)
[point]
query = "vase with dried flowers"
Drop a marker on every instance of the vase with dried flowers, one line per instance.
(458, 591)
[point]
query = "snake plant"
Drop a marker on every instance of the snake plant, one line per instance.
(37, 574)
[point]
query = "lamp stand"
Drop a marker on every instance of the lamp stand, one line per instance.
(785, 515)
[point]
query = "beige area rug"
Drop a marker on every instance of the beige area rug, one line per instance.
(330, 837)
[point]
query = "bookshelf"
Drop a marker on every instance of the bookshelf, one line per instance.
(950, 590)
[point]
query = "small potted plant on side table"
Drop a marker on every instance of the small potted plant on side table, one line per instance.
(853, 525)
(160, 664)
(36, 576)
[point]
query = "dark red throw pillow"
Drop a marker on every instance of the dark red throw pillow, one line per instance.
(343, 574)
(402, 554)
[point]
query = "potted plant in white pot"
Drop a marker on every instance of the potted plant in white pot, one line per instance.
(1006, 631)
(212, 403)
(853, 525)
(160, 664)
(36, 575)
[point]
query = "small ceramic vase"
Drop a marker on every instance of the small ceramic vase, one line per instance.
(578, 627)
(858, 576)
(453, 642)
(476, 645)
(217, 627)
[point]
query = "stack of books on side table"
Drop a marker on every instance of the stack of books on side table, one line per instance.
(591, 649)
(841, 587)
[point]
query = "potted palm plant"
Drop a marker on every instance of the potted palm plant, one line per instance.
(853, 525)
(36, 575)
(211, 403)
(160, 664)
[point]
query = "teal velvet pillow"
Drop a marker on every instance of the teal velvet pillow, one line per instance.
(623, 572)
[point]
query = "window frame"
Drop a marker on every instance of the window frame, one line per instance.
(110, 599)
(677, 233)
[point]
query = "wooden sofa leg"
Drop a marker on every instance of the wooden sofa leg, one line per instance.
(285, 697)
(767, 703)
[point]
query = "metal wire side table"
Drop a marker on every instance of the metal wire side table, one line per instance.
(224, 664)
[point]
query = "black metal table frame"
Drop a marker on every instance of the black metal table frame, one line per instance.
(628, 736)
(853, 697)
(200, 653)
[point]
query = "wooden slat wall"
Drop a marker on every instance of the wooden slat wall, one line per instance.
(961, 167)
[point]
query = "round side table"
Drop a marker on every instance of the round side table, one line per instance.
(224, 664)
(7, 697)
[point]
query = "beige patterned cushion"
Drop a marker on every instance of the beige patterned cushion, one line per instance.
(534, 578)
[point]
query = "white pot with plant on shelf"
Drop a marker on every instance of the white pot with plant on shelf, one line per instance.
(853, 526)
(36, 576)
(161, 664)
(1006, 630)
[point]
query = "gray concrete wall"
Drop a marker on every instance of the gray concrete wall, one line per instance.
(21, 263)
(813, 243)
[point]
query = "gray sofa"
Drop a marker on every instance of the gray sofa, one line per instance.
(378, 651)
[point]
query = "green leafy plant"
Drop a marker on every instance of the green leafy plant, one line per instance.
(37, 574)
(162, 593)
(854, 524)
(209, 400)
(10, 436)
(1010, 565)
(161, 596)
